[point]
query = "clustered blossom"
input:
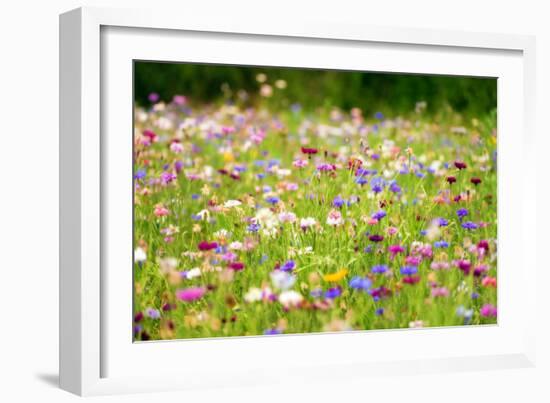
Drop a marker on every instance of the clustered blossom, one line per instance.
(248, 221)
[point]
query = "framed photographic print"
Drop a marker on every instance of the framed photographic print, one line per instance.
(234, 192)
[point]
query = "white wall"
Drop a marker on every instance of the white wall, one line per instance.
(29, 201)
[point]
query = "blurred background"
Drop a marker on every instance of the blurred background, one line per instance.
(309, 88)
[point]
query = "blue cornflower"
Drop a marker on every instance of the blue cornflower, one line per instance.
(379, 269)
(379, 311)
(195, 196)
(271, 332)
(395, 188)
(360, 283)
(441, 244)
(379, 215)
(338, 201)
(423, 232)
(409, 270)
(461, 212)
(253, 228)
(288, 266)
(377, 184)
(260, 176)
(140, 173)
(361, 180)
(442, 222)
(267, 189)
(332, 293)
(273, 200)
(474, 295)
(379, 115)
(469, 225)
(368, 249)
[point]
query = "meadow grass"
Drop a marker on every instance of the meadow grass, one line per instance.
(222, 184)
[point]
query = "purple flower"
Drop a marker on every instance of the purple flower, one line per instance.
(379, 269)
(338, 201)
(332, 293)
(469, 225)
(253, 228)
(190, 294)
(379, 215)
(441, 244)
(153, 97)
(360, 283)
(271, 332)
(288, 266)
(461, 212)
(376, 238)
(442, 222)
(409, 270)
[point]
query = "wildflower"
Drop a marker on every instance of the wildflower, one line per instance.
(462, 212)
(254, 294)
(307, 222)
(451, 179)
(442, 222)
(272, 332)
(334, 218)
(475, 181)
(360, 283)
(309, 151)
(282, 280)
(300, 163)
(379, 215)
(287, 217)
(338, 201)
(464, 265)
(379, 269)
(290, 298)
(469, 225)
(416, 324)
(336, 276)
(288, 266)
(232, 203)
(489, 282)
(273, 200)
(395, 249)
(411, 279)
(140, 256)
(332, 293)
(441, 244)
(152, 313)
(236, 266)
(409, 270)
(190, 294)
(176, 147)
(376, 238)
(207, 246)
(440, 292)
(253, 228)
(488, 311)
(161, 211)
(460, 165)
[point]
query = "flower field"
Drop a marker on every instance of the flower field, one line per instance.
(270, 219)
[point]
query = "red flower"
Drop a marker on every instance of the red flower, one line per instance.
(451, 179)
(376, 238)
(237, 266)
(460, 164)
(411, 279)
(309, 151)
(205, 245)
(475, 181)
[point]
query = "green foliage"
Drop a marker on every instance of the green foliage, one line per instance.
(313, 88)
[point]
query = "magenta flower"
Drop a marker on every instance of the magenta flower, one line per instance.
(488, 310)
(190, 294)
(395, 249)
(205, 245)
(236, 266)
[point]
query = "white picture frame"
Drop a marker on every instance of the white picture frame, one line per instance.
(96, 357)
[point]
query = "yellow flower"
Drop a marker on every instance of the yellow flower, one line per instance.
(337, 276)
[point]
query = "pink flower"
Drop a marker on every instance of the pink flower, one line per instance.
(391, 231)
(190, 294)
(395, 249)
(489, 282)
(440, 292)
(488, 310)
(161, 211)
(176, 147)
(440, 265)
